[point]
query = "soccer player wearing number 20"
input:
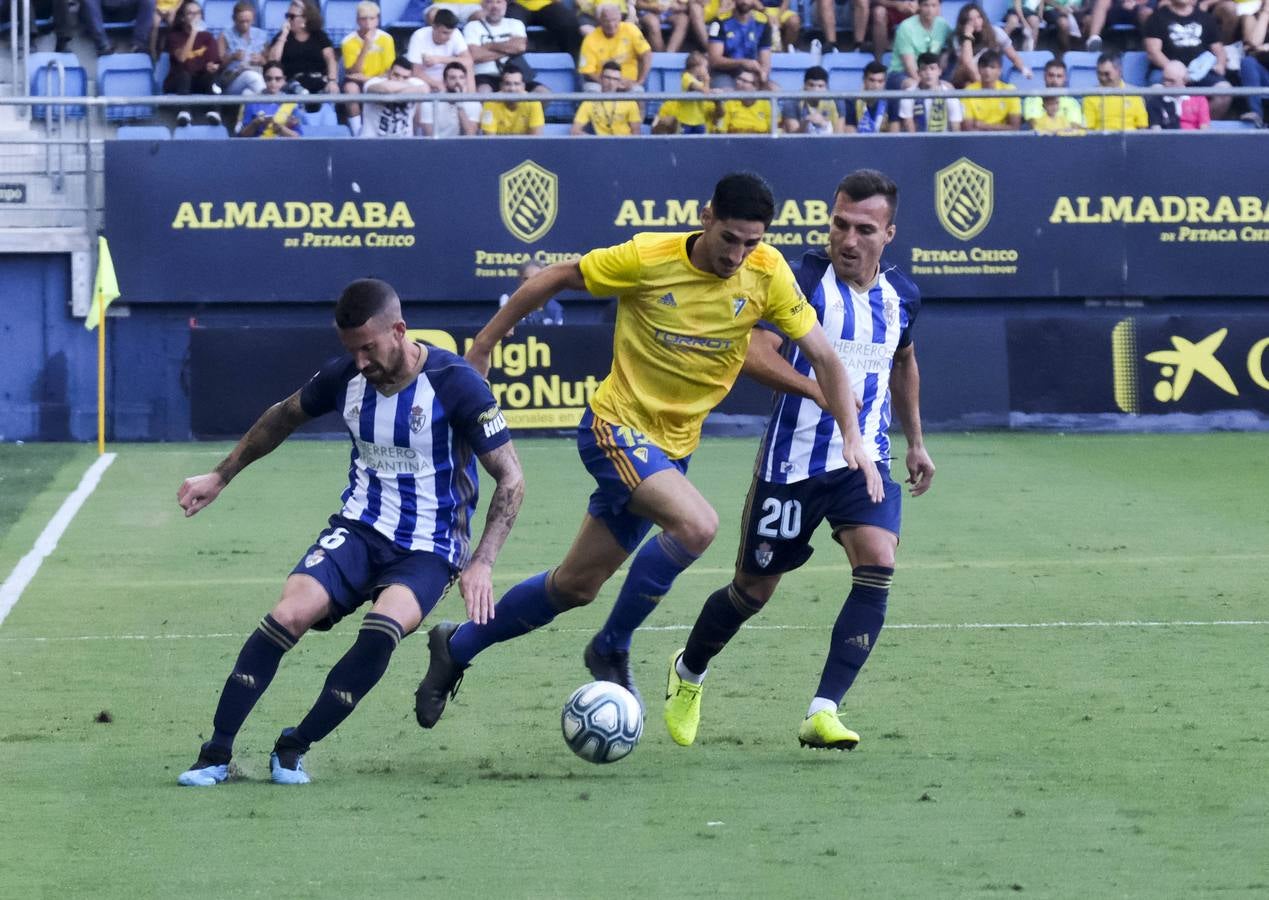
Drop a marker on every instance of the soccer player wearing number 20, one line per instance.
(419, 417)
(868, 308)
(686, 307)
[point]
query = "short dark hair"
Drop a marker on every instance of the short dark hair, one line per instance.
(989, 58)
(927, 59)
(861, 184)
(610, 65)
(453, 65)
(272, 64)
(361, 301)
(445, 18)
(1055, 63)
(815, 73)
(873, 68)
(1110, 56)
(743, 195)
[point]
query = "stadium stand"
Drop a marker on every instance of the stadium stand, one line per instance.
(200, 133)
(321, 130)
(143, 133)
(787, 69)
(558, 71)
(341, 19)
(57, 75)
(219, 15)
(126, 75)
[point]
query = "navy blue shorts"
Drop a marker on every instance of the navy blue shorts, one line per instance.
(354, 563)
(620, 458)
(779, 519)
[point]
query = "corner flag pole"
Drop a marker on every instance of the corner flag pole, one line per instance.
(105, 290)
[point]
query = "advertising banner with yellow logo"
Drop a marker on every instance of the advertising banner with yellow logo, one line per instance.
(1104, 215)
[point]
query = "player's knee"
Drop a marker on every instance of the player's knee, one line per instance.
(696, 534)
(570, 590)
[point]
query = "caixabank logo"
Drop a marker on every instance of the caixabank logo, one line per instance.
(1190, 365)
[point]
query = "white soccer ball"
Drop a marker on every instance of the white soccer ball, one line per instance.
(602, 722)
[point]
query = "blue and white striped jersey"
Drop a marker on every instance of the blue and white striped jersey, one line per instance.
(866, 328)
(413, 473)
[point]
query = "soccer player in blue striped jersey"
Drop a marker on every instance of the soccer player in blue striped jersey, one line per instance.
(419, 417)
(868, 308)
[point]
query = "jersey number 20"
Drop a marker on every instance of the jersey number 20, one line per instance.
(780, 519)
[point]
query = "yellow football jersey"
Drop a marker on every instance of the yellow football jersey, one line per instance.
(681, 333)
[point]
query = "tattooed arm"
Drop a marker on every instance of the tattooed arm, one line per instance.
(270, 430)
(476, 582)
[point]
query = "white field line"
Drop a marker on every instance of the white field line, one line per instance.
(46, 543)
(900, 626)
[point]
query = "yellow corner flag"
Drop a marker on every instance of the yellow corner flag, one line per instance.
(105, 288)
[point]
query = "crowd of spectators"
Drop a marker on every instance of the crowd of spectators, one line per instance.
(479, 47)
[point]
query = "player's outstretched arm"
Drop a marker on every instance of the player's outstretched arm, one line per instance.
(270, 430)
(476, 582)
(905, 389)
(531, 295)
(840, 401)
(765, 365)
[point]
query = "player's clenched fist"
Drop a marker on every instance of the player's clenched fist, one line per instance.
(198, 491)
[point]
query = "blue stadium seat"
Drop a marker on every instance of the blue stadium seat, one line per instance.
(219, 15)
(1232, 125)
(324, 115)
(787, 69)
(1080, 59)
(273, 15)
(952, 8)
(390, 13)
(557, 128)
(161, 68)
(995, 10)
(126, 75)
(318, 130)
(846, 70)
(1136, 68)
(559, 73)
(41, 71)
(143, 133)
(341, 19)
(1081, 78)
(200, 133)
(664, 75)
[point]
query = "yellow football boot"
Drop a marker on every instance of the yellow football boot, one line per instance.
(824, 731)
(682, 706)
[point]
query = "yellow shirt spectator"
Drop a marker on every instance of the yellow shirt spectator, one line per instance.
(1115, 113)
(741, 119)
(991, 110)
(690, 112)
(625, 47)
(504, 118)
(609, 117)
(682, 333)
(378, 58)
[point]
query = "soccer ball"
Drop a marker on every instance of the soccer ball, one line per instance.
(602, 722)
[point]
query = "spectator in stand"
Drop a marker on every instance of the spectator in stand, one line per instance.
(1255, 73)
(550, 313)
(164, 13)
(91, 13)
(612, 116)
(885, 17)
(870, 116)
(1183, 32)
(453, 118)
(435, 46)
(1114, 12)
(271, 116)
(1068, 108)
(688, 116)
(786, 24)
(305, 51)
(617, 41)
(741, 42)
(934, 115)
(926, 32)
(1177, 111)
(1124, 113)
(556, 16)
(368, 53)
(750, 116)
(512, 116)
(195, 59)
(991, 113)
(824, 116)
(1023, 23)
(655, 15)
(388, 118)
(975, 36)
(1053, 119)
(242, 52)
(496, 41)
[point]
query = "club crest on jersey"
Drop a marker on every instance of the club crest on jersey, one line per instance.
(640, 453)
(737, 305)
(491, 421)
(891, 311)
(314, 558)
(418, 419)
(763, 555)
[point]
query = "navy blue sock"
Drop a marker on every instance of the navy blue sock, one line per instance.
(352, 677)
(720, 618)
(257, 664)
(855, 631)
(656, 565)
(522, 609)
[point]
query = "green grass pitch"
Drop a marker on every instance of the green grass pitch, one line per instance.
(1051, 712)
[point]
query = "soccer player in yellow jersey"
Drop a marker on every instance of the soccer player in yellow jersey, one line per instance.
(686, 306)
